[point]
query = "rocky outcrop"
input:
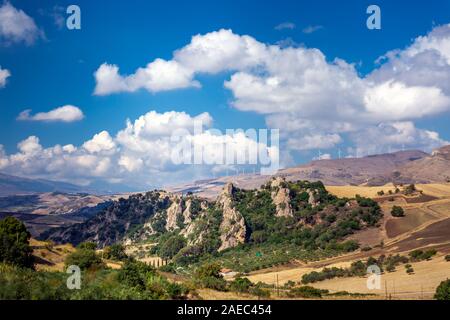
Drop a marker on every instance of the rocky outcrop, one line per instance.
(173, 212)
(232, 228)
(187, 214)
(188, 221)
(312, 200)
(281, 198)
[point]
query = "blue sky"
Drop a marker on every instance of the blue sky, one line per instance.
(56, 68)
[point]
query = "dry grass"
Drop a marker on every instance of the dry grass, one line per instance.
(400, 285)
(363, 191)
(427, 276)
(50, 257)
(209, 294)
(434, 189)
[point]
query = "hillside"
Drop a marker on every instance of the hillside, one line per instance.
(300, 215)
(401, 167)
(13, 185)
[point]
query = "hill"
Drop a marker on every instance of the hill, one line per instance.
(301, 217)
(13, 185)
(401, 167)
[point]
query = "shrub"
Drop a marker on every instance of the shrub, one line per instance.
(410, 189)
(447, 257)
(443, 291)
(14, 243)
(85, 259)
(397, 211)
(419, 255)
(241, 285)
(409, 269)
(172, 246)
(208, 276)
(87, 246)
(134, 273)
(259, 292)
(306, 292)
(115, 252)
(390, 267)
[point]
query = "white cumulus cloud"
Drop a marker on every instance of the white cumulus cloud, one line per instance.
(16, 26)
(66, 113)
(141, 154)
(4, 74)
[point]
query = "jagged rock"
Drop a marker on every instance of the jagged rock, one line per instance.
(173, 211)
(312, 200)
(188, 221)
(187, 214)
(281, 198)
(232, 229)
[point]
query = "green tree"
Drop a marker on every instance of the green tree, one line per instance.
(240, 285)
(87, 245)
(172, 246)
(14, 243)
(85, 259)
(397, 211)
(208, 276)
(115, 252)
(443, 291)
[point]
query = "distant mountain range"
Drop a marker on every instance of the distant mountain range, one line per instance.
(401, 167)
(12, 185)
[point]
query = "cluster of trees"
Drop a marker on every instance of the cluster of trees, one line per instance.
(443, 291)
(397, 211)
(14, 243)
(208, 276)
(306, 292)
(19, 280)
(357, 268)
(420, 255)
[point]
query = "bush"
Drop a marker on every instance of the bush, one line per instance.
(443, 291)
(85, 259)
(409, 269)
(87, 245)
(447, 257)
(172, 246)
(134, 273)
(390, 267)
(397, 211)
(208, 276)
(419, 255)
(115, 252)
(259, 292)
(14, 243)
(306, 292)
(241, 285)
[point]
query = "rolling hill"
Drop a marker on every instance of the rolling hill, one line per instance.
(12, 185)
(401, 167)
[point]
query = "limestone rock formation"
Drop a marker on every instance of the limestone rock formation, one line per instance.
(173, 211)
(187, 214)
(312, 200)
(232, 229)
(281, 198)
